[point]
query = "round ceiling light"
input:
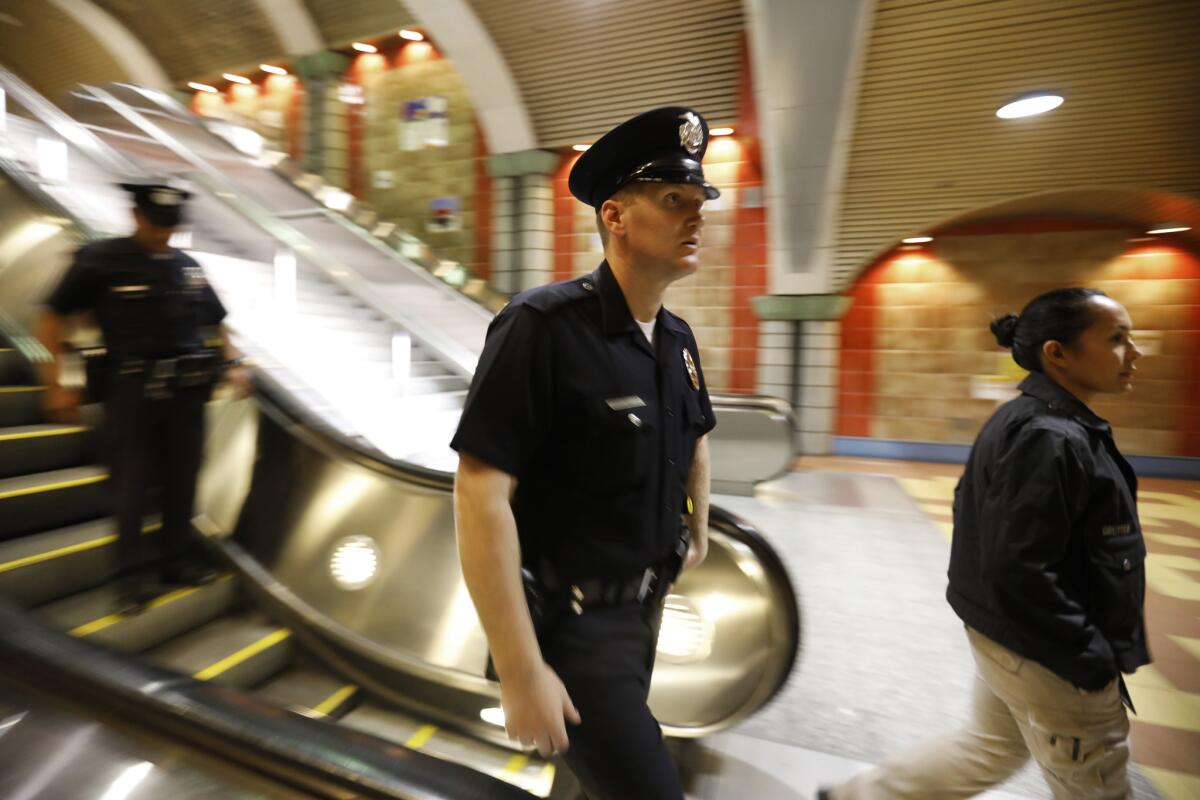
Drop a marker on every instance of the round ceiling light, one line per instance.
(1029, 105)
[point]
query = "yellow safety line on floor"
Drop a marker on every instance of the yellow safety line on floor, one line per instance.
(53, 487)
(80, 547)
(249, 651)
(12, 437)
(334, 700)
(15, 389)
(423, 735)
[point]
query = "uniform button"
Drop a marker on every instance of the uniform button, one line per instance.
(636, 420)
(587, 286)
(671, 461)
(670, 413)
(1126, 565)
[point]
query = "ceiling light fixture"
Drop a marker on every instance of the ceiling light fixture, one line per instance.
(202, 87)
(273, 69)
(580, 148)
(1030, 104)
(721, 131)
(412, 36)
(1169, 227)
(917, 239)
(235, 78)
(363, 47)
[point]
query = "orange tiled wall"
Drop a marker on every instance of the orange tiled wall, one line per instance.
(916, 350)
(716, 300)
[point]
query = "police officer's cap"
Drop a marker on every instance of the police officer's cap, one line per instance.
(161, 203)
(665, 145)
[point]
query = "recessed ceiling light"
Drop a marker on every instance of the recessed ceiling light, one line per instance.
(1028, 105)
(202, 87)
(363, 47)
(580, 147)
(274, 70)
(721, 131)
(917, 239)
(235, 78)
(1170, 227)
(412, 36)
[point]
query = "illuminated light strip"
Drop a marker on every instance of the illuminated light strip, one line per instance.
(247, 652)
(108, 621)
(12, 437)
(80, 547)
(50, 487)
(423, 735)
(334, 700)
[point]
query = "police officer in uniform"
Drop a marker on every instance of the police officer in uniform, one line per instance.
(160, 321)
(584, 464)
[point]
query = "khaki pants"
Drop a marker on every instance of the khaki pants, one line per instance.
(1019, 708)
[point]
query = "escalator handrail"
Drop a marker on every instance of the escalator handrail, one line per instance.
(328, 759)
(455, 356)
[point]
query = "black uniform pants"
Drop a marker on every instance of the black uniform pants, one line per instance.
(604, 658)
(154, 442)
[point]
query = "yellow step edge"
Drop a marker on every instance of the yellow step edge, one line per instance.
(53, 487)
(17, 389)
(12, 437)
(516, 763)
(249, 651)
(109, 620)
(423, 735)
(71, 549)
(334, 700)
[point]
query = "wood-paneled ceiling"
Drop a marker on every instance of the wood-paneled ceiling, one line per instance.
(927, 145)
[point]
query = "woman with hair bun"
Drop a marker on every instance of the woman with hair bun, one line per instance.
(1046, 572)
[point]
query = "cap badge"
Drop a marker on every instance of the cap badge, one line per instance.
(691, 133)
(166, 197)
(691, 368)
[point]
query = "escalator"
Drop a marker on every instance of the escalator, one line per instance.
(343, 447)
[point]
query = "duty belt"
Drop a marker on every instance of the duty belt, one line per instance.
(600, 592)
(164, 374)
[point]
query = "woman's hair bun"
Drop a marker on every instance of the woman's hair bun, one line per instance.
(1005, 329)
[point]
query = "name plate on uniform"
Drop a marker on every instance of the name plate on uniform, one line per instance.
(625, 403)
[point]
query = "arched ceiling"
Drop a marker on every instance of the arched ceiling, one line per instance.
(927, 146)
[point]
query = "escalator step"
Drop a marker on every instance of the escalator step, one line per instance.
(19, 405)
(239, 651)
(42, 448)
(14, 369)
(529, 772)
(310, 692)
(93, 614)
(47, 500)
(42, 567)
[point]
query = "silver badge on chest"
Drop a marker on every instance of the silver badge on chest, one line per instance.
(193, 278)
(691, 133)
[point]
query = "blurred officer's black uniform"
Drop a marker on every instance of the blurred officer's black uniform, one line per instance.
(158, 316)
(598, 425)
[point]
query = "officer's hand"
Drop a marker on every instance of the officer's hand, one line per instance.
(536, 710)
(61, 403)
(239, 380)
(697, 552)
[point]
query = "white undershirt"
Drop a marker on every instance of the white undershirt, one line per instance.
(648, 329)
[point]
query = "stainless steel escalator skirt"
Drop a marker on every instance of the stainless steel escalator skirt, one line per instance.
(369, 548)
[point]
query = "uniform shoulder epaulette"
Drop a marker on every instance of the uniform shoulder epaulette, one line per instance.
(555, 295)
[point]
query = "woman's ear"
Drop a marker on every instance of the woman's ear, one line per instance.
(1053, 353)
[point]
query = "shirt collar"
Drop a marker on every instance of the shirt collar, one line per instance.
(614, 309)
(1047, 390)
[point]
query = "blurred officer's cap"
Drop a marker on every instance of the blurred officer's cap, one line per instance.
(665, 145)
(161, 203)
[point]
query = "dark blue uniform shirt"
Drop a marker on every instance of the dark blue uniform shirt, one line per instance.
(1048, 557)
(597, 426)
(147, 305)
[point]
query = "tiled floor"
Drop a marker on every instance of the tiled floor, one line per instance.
(885, 663)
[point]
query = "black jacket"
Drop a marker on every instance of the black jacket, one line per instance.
(1048, 557)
